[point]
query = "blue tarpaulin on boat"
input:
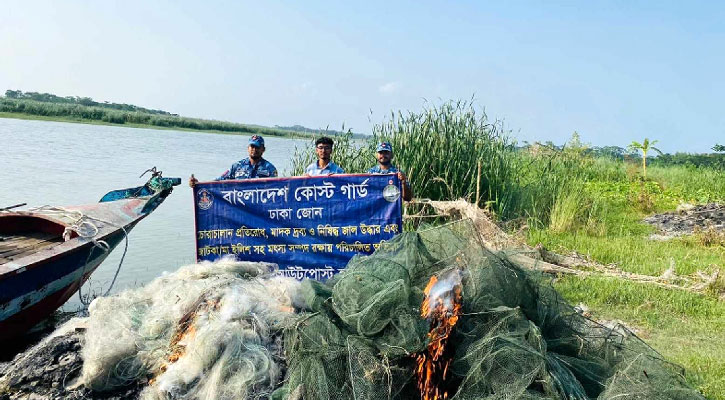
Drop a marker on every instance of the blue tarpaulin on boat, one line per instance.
(310, 226)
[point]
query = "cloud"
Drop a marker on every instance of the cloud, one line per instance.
(389, 88)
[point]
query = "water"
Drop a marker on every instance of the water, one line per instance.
(57, 163)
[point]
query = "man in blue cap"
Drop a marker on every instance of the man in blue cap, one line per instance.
(385, 166)
(249, 168)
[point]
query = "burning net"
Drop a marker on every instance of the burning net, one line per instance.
(430, 315)
(481, 328)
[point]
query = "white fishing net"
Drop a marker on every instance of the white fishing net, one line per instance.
(207, 331)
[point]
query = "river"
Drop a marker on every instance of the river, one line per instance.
(58, 163)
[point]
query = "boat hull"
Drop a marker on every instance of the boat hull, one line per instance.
(30, 297)
(37, 276)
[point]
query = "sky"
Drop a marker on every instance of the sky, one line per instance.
(614, 71)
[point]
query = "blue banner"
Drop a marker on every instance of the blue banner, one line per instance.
(310, 226)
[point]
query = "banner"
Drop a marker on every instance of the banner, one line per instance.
(310, 226)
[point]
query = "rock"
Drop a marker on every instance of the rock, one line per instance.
(47, 370)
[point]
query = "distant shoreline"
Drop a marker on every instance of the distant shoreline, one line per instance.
(23, 116)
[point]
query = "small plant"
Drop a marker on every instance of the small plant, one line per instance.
(644, 147)
(709, 237)
(716, 283)
(645, 202)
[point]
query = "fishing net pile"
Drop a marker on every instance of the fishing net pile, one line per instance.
(207, 331)
(515, 337)
(233, 330)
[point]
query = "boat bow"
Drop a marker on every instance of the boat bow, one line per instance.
(47, 253)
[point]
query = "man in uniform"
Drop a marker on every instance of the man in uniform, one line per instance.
(249, 168)
(323, 165)
(385, 166)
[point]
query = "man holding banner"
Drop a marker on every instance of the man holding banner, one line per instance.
(249, 168)
(385, 166)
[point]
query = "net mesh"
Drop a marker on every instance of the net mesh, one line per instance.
(515, 339)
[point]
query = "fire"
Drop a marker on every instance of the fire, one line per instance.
(441, 307)
(186, 329)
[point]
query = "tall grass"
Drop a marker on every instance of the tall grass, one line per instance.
(442, 147)
(691, 183)
(568, 211)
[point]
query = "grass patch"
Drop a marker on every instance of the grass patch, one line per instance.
(616, 209)
(635, 253)
(695, 185)
(685, 328)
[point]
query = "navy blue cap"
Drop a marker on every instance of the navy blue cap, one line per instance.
(256, 140)
(385, 146)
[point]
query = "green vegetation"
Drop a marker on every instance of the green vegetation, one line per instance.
(47, 106)
(317, 132)
(82, 101)
(603, 220)
(712, 160)
(441, 148)
(576, 198)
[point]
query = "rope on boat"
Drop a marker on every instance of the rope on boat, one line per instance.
(86, 229)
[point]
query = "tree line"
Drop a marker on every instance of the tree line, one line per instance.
(84, 108)
(631, 153)
(83, 101)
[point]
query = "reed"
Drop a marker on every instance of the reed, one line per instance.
(441, 148)
(453, 150)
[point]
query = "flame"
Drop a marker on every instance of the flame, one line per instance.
(441, 306)
(186, 329)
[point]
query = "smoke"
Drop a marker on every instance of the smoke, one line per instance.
(442, 292)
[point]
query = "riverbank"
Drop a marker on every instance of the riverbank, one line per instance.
(278, 133)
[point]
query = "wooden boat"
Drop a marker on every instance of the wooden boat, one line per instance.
(46, 254)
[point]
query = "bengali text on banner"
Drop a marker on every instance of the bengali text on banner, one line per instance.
(310, 226)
